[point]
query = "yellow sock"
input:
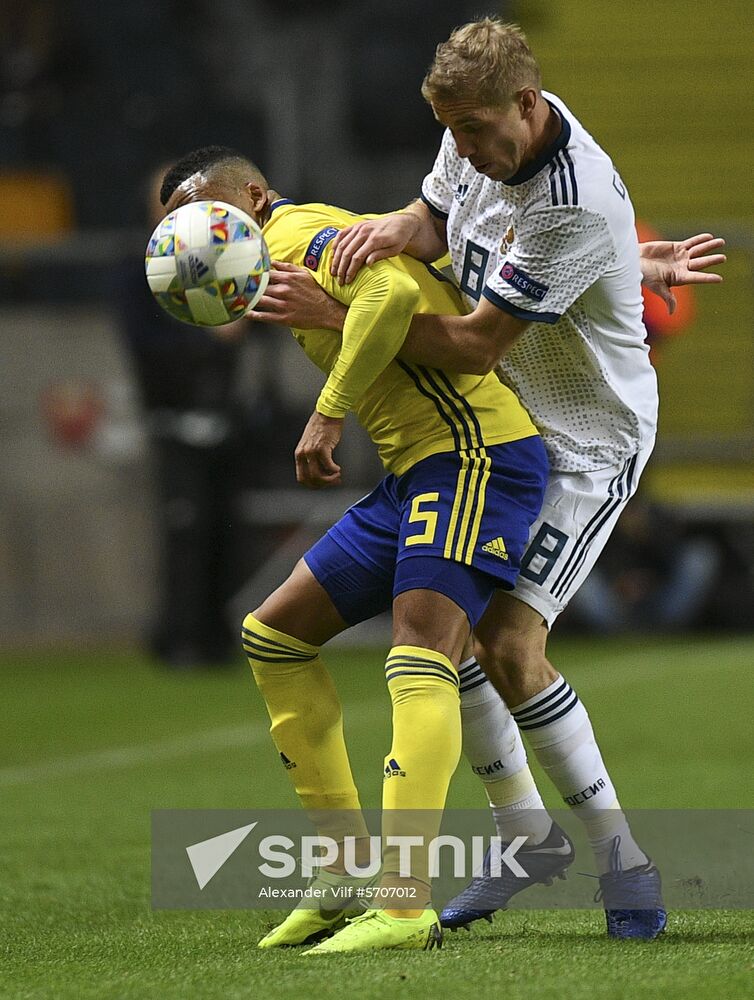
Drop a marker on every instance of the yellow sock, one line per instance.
(426, 747)
(307, 726)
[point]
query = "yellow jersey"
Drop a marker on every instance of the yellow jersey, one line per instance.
(409, 411)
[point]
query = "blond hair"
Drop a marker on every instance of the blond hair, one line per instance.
(486, 61)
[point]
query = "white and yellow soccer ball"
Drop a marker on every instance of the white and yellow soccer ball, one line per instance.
(207, 263)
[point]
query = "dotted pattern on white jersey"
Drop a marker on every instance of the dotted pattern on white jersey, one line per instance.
(583, 371)
(565, 250)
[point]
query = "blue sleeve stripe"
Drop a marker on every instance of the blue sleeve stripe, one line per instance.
(553, 188)
(562, 177)
(527, 314)
(572, 172)
(437, 212)
(558, 173)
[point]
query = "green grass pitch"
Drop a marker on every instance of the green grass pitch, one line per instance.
(92, 742)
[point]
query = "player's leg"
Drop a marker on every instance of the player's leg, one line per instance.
(559, 731)
(281, 639)
(577, 517)
(429, 633)
(576, 520)
(345, 578)
(495, 752)
(445, 575)
(511, 643)
(466, 535)
(326, 592)
(493, 747)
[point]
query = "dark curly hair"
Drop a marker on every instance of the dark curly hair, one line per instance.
(204, 160)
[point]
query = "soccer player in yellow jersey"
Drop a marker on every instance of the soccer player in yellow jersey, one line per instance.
(444, 530)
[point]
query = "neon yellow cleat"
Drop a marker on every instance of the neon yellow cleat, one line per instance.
(333, 899)
(374, 930)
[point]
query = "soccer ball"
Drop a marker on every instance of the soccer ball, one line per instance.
(207, 263)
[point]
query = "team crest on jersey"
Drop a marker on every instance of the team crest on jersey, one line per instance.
(507, 241)
(316, 248)
(521, 281)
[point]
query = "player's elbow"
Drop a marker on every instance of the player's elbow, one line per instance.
(390, 290)
(404, 293)
(483, 351)
(491, 340)
(482, 360)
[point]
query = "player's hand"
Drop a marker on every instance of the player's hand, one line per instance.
(665, 263)
(293, 298)
(370, 241)
(315, 467)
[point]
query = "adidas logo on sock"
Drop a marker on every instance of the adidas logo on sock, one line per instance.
(287, 764)
(393, 769)
(496, 548)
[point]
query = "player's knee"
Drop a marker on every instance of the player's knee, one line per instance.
(268, 649)
(448, 646)
(432, 621)
(508, 657)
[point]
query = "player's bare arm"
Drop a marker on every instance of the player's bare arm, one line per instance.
(293, 298)
(414, 231)
(475, 343)
(471, 344)
(665, 263)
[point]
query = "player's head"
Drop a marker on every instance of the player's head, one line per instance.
(485, 86)
(220, 173)
(150, 191)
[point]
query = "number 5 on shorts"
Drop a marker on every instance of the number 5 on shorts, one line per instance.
(426, 517)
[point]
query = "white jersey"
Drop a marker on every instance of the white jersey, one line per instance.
(556, 245)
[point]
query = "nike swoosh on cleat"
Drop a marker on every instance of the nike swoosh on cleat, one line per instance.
(563, 848)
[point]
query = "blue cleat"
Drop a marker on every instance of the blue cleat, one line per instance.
(487, 893)
(632, 900)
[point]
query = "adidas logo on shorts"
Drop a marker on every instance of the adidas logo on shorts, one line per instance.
(496, 548)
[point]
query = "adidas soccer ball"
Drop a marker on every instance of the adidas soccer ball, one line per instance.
(207, 263)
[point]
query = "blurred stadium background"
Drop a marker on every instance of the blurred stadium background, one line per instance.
(325, 97)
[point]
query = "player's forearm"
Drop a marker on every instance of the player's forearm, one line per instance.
(375, 327)
(463, 344)
(428, 242)
(334, 314)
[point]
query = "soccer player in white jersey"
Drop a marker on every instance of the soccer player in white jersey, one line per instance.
(540, 230)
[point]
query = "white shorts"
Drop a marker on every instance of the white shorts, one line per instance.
(579, 512)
